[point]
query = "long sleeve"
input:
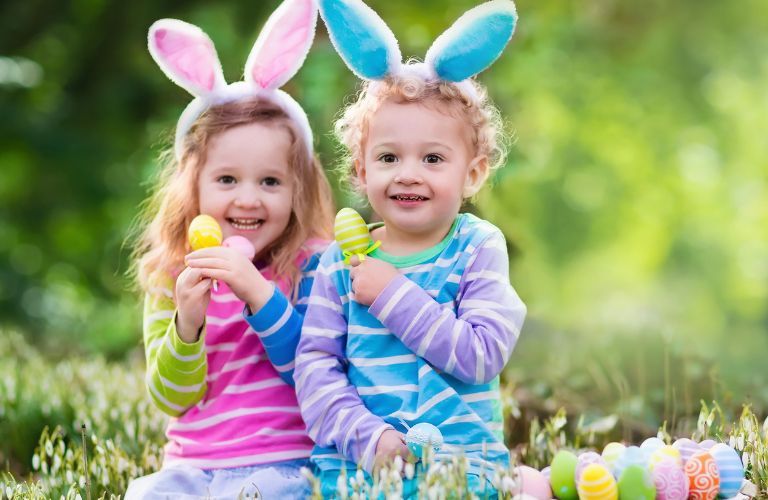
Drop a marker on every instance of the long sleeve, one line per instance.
(175, 370)
(278, 323)
(472, 344)
(330, 404)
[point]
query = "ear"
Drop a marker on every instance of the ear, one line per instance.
(362, 38)
(361, 173)
(474, 41)
(186, 55)
(283, 44)
(477, 174)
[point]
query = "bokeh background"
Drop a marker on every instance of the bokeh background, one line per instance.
(634, 199)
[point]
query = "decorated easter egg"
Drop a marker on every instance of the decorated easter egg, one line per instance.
(597, 483)
(633, 455)
(611, 454)
(703, 476)
(422, 435)
(242, 245)
(532, 483)
(707, 444)
(546, 472)
(636, 483)
(585, 459)
(351, 232)
(651, 444)
(687, 448)
(204, 232)
(563, 475)
(663, 453)
(670, 480)
(730, 468)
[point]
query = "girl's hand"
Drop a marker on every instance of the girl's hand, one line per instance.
(234, 269)
(369, 278)
(391, 444)
(193, 292)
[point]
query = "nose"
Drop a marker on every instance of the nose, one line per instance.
(247, 197)
(409, 173)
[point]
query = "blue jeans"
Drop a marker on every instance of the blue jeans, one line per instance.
(277, 480)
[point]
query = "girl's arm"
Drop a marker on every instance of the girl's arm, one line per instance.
(472, 344)
(278, 322)
(175, 370)
(330, 405)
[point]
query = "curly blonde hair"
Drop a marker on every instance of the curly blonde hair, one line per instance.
(162, 224)
(467, 101)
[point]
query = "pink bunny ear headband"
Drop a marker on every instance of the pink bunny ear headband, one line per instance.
(187, 56)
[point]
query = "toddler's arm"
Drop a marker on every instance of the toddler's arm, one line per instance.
(175, 370)
(278, 323)
(473, 345)
(330, 404)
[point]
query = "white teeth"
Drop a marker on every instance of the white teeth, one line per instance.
(402, 197)
(246, 223)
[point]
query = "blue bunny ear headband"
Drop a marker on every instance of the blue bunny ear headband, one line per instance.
(188, 57)
(469, 46)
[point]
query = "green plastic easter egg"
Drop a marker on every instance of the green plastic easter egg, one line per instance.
(562, 475)
(636, 483)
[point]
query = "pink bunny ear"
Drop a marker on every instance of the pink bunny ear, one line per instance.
(283, 44)
(186, 55)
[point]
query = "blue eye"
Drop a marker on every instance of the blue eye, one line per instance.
(226, 179)
(387, 158)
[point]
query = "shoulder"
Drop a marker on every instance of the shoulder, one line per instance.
(309, 254)
(473, 231)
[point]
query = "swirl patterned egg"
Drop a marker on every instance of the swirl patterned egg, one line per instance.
(730, 468)
(671, 482)
(703, 477)
(596, 483)
(350, 230)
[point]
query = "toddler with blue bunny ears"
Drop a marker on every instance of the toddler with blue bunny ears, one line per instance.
(420, 330)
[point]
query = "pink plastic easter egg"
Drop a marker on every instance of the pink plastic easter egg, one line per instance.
(671, 481)
(532, 483)
(703, 476)
(687, 448)
(241, 245)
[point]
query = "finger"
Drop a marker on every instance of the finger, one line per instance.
(352, 274)
(208, 262)
(354, 261)
(214, 273)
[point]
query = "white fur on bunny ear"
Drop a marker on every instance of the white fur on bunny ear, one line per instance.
(283, 44)
(186, 55)
(474, 41)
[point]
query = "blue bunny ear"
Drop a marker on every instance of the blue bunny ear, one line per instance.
(361, 38)
(474, 41)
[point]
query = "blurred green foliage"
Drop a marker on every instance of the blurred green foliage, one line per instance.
(635, 198)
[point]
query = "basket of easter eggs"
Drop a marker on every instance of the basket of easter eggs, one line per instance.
(682, 470)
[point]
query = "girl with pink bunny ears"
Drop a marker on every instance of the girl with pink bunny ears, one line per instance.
(220, 359)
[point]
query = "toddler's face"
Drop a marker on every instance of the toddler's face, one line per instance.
(245, 183)
(416, 166)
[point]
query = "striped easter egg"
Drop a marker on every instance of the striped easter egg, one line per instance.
(707, 444)
(663, 453)
(703, 477)
(671, 482)
(204, 232)
(596, 483)
(585, 459)
(687, 448)
(611, 454)
(351, 232)
(730, 468)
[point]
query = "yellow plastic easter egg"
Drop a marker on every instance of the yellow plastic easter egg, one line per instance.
(204, 232)
(597, 483)
(351, 232)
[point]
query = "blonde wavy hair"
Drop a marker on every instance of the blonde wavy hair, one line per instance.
(161, 227)
(471, 106)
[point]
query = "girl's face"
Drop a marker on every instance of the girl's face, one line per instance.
(245, 183)
(417, 168)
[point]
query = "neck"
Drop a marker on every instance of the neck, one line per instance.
(399, 243)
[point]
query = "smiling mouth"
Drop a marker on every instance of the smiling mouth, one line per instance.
(245, 224)
(408, 197)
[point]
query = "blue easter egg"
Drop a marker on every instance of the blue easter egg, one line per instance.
(730, 467)
(422, 435)
(633, 455)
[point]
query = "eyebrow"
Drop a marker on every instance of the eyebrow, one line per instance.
(394, 145)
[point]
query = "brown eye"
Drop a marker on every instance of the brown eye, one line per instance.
(226, 179)
(432, 158)
(388, 158)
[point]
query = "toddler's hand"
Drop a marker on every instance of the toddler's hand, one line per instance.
(193, 292)
(391, 444)
(233, 268)
(369, 278)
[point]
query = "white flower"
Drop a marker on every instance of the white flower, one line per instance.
(410, 470)
(507, 484)
(35, 464)
(360, 477)
(341, 486)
